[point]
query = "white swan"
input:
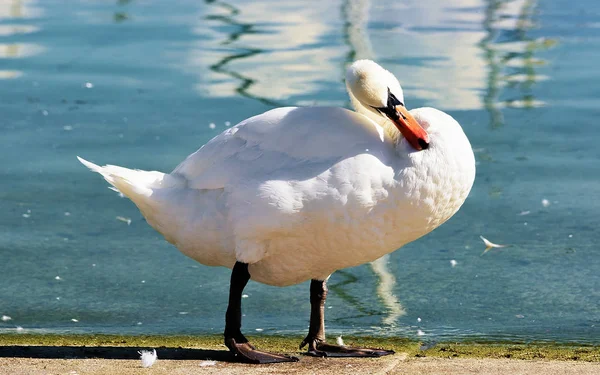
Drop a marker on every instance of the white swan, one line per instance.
(295, 194)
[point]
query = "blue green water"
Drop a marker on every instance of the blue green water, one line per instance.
(144, 83)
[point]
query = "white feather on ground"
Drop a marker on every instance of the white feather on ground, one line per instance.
(148, 357)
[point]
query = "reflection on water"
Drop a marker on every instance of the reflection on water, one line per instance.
(19, 50)
(385, 290)
(344, 290)
(283, 59)
(432, 49)
(356, 34)
(510, 56)
(6, 30)
(19, 9)
(121, 15)
(221, 67)
(470, 55)
(13, 10)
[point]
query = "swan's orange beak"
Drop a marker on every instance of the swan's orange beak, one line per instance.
(410, 129)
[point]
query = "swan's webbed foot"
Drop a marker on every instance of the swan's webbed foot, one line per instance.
(319, 348)
(234, 339)
(246, 352)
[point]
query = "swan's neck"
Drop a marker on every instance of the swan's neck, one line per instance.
(387, 125)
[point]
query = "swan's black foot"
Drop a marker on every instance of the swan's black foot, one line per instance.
(245, 352)
(318, 348)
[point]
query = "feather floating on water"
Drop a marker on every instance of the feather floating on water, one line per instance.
(490, 245)
(124, 219)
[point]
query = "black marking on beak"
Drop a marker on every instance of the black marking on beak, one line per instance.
(390, 109)
(392, 100)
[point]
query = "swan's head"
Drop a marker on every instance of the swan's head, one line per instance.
(376, 93)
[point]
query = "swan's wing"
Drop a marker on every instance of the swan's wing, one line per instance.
(282, 170)
(282, 144)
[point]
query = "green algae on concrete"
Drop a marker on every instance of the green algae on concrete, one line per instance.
(538, 350)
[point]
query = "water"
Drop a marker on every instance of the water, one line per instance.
(139, 83)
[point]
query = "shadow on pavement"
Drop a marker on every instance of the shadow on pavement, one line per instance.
(112, 352)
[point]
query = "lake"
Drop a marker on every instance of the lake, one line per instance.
(143, 84)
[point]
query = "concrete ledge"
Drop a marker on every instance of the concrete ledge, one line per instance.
(111, 354)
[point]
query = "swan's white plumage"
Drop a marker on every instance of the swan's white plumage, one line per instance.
(301, 192)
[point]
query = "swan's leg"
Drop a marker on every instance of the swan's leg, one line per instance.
(234, 339)
(316, 329)
(316, 332)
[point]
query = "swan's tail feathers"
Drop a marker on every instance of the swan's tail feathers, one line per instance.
(145, 188)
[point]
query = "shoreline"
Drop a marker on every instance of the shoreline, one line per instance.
(19, 345)
(32, 354)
